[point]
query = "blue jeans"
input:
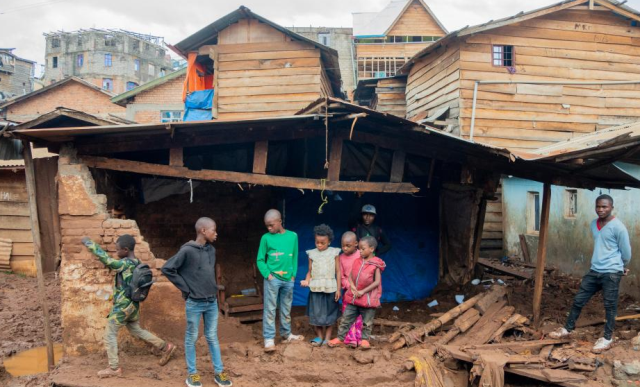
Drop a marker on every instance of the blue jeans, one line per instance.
(592, 283)
(208, 310)
(277, 291)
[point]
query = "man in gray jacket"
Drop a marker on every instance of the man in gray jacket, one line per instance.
(192, 270)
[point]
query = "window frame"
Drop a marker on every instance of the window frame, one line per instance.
(54, 62)
(108, 60)
(571, 209)
(109, 40)
(533, 212)
(136, 65)
(151, 69)
(80, 60)
(55, 42)
(171, 117)
(513, 55)
(107, 81)
(131, 83)
(326, 35)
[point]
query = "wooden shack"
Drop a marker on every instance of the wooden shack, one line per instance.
(262, 69)
(386, 95)
(542, 76)
(385, 40)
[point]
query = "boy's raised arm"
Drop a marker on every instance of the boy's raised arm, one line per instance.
(170, 270)
(262, 258)
(95, 249)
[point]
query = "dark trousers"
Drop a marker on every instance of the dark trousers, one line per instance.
(351, 313)
(592, 283)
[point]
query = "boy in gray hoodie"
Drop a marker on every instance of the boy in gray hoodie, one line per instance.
(192, 270)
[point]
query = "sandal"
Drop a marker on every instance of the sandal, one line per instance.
(316, 342)
(325, 343)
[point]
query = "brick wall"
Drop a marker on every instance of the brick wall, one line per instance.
(72, 95)
(146, 106)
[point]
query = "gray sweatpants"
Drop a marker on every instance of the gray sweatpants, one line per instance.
(111, 339)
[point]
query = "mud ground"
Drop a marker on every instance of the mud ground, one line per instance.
(293, 364)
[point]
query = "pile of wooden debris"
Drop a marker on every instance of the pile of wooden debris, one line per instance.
(486, 332)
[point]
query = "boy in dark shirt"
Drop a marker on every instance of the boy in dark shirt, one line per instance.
(192, 271)
(367, 228)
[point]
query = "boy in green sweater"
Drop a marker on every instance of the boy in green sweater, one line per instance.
(278, 264)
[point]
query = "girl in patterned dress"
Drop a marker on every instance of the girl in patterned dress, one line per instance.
(322, 279)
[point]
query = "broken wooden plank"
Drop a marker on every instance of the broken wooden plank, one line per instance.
(260, 154)
(462, 324)
(518, 346)
(471, 355)
(525, 249)
(389, 323)
(504, 269)
(561, 377)
(483, 305)
(241, 177)
(470, 336)
(484, 335)
(514, 321)
(542, 253)
(588, 323)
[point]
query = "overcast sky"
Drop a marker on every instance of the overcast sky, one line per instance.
(22, 22)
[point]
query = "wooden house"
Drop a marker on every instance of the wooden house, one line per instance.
(260, 68)
(385, 40)
(386, 95)
(532, 79)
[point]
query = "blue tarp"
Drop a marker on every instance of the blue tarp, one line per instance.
(410, 222)
(198, 106)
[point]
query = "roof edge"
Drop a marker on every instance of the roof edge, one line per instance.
(121, 98)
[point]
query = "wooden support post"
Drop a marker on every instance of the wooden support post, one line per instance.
(525, 249)
(397, 166)
(176, 157)
(335, 158)
(260, 152)
(37, 247)
(482, 213)
(542, 254)
(215, 109)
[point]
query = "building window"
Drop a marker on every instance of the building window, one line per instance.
(107, 84)
(131, 85)
(80, 41)
(170, 116)
(533, 213)
(162, 72)
(80, 60)
(146, 46)
(152, 69)
(136, 64)
(54, 63)
(109, 41)
(503, 56)
(135, 45)
(107, 60)
(324, 38)
(570, 203)
(55, 42)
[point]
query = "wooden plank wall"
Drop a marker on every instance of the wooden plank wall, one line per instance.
(491, 245)
(262, 72)
(434, 83)
(14, 220)
(416, 21)
(390, 97)
(573, 45)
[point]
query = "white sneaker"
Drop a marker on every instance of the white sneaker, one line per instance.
(602, 345)
(559, 333)
(293, 337)
(269, 345)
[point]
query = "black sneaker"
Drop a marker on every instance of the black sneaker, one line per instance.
(223, 379)
(193, 381)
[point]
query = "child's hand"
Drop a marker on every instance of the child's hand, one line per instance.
(337, 297)
(304, 283)
(356, 294)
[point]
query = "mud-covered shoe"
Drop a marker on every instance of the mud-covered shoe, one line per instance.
(269, 345)
(335, 343)
(559, 333)
(110, 373)
(166, 353)
(222, 379)
(364, 344)
(193, 381)
(293, 337)
(602, 345)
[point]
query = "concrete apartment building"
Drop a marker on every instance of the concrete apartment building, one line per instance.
(341, 40)
(114, 60)
(16, 74)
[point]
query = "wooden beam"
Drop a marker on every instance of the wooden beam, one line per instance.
(241, 177)
(260, 152)
(37, 247)
(525, 249)
(542, 254)
(482, 212)
(397, 166)
(335, 158)
(213, 54)
(511, 271)
(176, 157)
(617, 9)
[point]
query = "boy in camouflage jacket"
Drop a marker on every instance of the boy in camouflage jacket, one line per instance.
(124, 312)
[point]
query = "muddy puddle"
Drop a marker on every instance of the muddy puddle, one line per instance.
(31, 362)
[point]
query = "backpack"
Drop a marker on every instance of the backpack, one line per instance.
(140, 284)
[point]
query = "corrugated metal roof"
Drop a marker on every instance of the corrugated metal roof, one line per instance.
(37, 153)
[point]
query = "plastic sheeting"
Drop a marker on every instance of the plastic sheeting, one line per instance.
(411, 223)
(198, 106)
(197, 78)
(156, 188)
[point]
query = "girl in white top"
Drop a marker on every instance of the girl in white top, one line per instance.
(322, 279)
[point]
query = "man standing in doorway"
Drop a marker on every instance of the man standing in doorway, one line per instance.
(611, 256)
(366, 227)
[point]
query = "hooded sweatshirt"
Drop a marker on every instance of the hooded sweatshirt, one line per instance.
(363, 274)
(192, 270)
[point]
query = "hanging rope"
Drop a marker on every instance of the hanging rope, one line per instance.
(191, 188)
(323, 197)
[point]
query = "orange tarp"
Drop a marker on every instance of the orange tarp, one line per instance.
(197, 78)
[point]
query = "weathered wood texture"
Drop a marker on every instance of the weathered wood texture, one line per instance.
(542, 254)
(14, 221)
(390, 97)
(416, 21)
(262, 72)
(568, 45)
(46, 170)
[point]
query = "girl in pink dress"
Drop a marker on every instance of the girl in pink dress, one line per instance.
(349, 254)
